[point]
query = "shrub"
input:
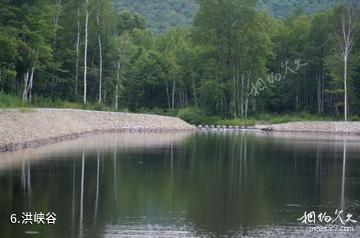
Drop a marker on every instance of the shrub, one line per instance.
(192, 115)
(73, 105)
(10, 101)
(25, 109)
(355, 118)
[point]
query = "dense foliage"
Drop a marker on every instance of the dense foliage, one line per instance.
(233, 62)
(284, 8)
(161, 15)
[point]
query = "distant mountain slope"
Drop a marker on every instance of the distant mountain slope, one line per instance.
(162, 14)
(283, 8)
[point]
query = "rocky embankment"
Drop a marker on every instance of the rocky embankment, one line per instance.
(35, 127)
(309, 127)
(346, 128)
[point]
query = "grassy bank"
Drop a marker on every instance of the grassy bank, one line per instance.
(10, 101)
(265, 119)
(191, 115)
(197, 117)
(277, 119)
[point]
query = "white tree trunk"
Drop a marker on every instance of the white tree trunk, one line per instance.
(167, 93)
(242, 95)
(247, 96)
(82, 194)
(31, 84)
(56, 21)
(345, 91)
(26, 80)
(345, 42)
(73, 198)
(118, 67)
(97, 187)
(323, 92)
(234, 100)
(342, 200)
(194, 91)
(100, 55)
(85, 50)
(77, 49)
(173, 94)
(318, 78)
(28, 84)
(117, 96)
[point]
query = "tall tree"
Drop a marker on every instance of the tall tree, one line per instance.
(345, 39)
(237, 35)
(100, 53)
(77, 45)
(86, 48)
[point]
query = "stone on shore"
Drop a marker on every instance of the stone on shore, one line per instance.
(35, 127)
(348, 128)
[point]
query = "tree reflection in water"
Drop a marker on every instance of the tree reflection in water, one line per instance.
(208, 184)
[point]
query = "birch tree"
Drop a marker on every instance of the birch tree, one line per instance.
(100, 54)
(121, 43)
(86, 48)
(58, 5)
(345, 39)
(36, 44)
(77, 45)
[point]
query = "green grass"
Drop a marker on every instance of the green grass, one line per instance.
(158, 111)
(197, 117)
(354, 118)
(191, 115)
(278, 119)
(25, 109)
(10, 101)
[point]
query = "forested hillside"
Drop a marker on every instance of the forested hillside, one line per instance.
(160, 15)
(283, 8)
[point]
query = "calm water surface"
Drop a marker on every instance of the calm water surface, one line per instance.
(182, 185)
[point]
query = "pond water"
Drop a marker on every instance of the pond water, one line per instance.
(201, 184)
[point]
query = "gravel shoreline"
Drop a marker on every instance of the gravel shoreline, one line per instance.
(324, 127)
(36, 127)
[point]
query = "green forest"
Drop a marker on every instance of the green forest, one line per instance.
(232, 61)
(284, 8)
(161, 15)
